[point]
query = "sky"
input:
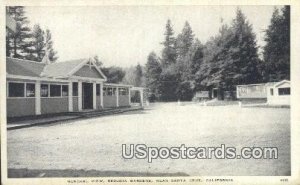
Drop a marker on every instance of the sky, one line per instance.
(125, 35)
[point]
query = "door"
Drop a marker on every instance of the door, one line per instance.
(87, 95)
(215, 93)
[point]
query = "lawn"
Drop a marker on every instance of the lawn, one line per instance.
(96, 144)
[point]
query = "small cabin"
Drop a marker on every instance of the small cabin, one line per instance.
(279, 93)
(276, 93)
(201, 95)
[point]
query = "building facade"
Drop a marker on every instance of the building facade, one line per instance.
(273, 93)
(279, 93)
(35, 88)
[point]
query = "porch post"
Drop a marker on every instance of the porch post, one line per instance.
(117, 99)
(79, 96)
(129, 96)
(70, 96)
(101, 94)
(38, 98)
(94, 95)
(142, 97)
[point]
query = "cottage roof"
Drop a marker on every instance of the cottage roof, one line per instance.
(282, 82)
(23, 67)
(29, 68)
(61, 68)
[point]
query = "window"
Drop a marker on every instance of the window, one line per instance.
(114, 91)
(272, 91)
(75, 89)
(104, 91)
(44, 90)
(109, 91)
(123, 91)
(30, 90)
(16, 89)
(65, 90)
(55, 90)
(284, 91)
(98, 89)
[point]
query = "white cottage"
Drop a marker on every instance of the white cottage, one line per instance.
(279, 93)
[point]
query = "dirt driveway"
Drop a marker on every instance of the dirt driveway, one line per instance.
(96, 144)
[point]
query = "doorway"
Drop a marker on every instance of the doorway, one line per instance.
(215, 93)
(87, 95)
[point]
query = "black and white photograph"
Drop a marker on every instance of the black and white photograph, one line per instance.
(160, 93)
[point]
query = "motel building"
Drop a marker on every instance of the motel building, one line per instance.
(38, 88)
(272, 93)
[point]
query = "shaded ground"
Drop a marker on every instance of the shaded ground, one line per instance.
(93, 146)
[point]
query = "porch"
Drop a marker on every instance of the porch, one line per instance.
(38, 120)
(41, 97)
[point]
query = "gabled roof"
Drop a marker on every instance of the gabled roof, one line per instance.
(61, 68)
(90, 62)
(282, 82)
(29, 68)
(23, 67)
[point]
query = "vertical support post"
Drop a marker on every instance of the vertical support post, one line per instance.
(79, 96)
(70, 96)
(101, 95)
(129, 96)
(37, 98)
(117, 99)
(142, 97)
(94, 96)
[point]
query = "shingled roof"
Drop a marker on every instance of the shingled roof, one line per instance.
(37, 69)
(61, 68)
(24, 67)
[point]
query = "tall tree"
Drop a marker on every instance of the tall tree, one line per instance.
(184, 43)
(234, 55)
(113, 74)
(138, 75)
(243, 56)
(184, 40)
(277, 48)
(169, 82)
(37, 49)
(152, 74)
(49, 43)
(197, 65)
(187, 69)
(168, 52)
(18, 43)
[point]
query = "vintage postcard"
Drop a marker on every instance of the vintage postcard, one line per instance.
(141, 92)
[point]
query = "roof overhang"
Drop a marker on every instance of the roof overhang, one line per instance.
(79, 66)
(117, 85)
(86, 79)
(138, 88)
(20, 77)
(282, 82)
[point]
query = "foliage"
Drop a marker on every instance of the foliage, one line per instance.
(152, 74)
(228, 59)
(169, 50)
(113, 74)
(27, 43)
(17, 43)
(277, 48)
